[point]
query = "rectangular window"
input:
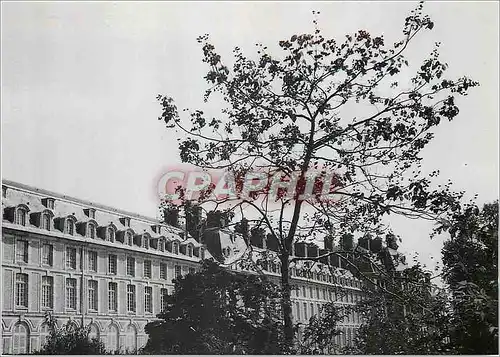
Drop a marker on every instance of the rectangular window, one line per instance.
(148, 299)
(93, 295)
(113, 297)
(163, 299)
(304, 291)
(178, 273)
(312, 309)
(22, 290)
(21, 217)
(306, 315)
(147, 268)
(22, 251)
(112, 264)
(317, 293)
(47, 254)
(92, 260)
(47, 292)
(71, 258)
(297, 307)
(163, 271)
(130, 266)
(131, 298)
(71, 293)
(310, 292)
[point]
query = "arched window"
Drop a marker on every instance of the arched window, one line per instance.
(45, 222)
(175, 248)
(161, 245)
(131, 338)
(111, 234)
(129, 239)
(20, 339)
(94, 331)
(189, 250)
(44, 334)
(113, 338)
(145, 241)
(21, 216)
(70, 226)
(91, 230)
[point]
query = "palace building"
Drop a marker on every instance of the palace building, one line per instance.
(95, 265)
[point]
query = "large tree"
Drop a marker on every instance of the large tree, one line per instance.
(353, 106)
(218, 311)
(70, 340)
(409, 316)
(470, 260)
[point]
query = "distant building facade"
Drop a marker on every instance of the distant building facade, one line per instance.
(110, 269)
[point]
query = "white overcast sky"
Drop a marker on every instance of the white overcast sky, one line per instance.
(79, 81)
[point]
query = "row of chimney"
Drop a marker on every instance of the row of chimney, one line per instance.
(195, 224)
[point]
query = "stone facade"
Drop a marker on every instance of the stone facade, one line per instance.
(92, 264)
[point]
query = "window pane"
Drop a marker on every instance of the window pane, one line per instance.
(93, 295)
(22, 251)
(113, 296)
(71, 293)
(131, 298)
(92, 260)
(163, 271)
(163, 299)
(147, 268)
(22, 290)
(112, 264)
(71, 258)
(47, 254)
(148, 299)
(20, 339)
(47, 292)
(130, 266)
(21, 217)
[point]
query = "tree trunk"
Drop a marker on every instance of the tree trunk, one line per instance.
(286, 304)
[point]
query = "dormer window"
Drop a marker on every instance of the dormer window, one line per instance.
(202, 253)
(129, 238)
(70, 226)
(110, 234)
(21, 216)
(145, 241)
(189, 250)
(91, 229)
(175, 247)
(45, 221)
(156, 228)
(48, 202)
(90, 212)
(125, 221)
(161, 245)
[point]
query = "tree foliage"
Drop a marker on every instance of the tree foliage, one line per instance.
(408, 316)
(470, 261)
(70, 340)
(217, 311)
(353, 109)
(320, 332)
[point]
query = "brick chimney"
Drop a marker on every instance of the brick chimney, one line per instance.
(171, 216)
(258, 237)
